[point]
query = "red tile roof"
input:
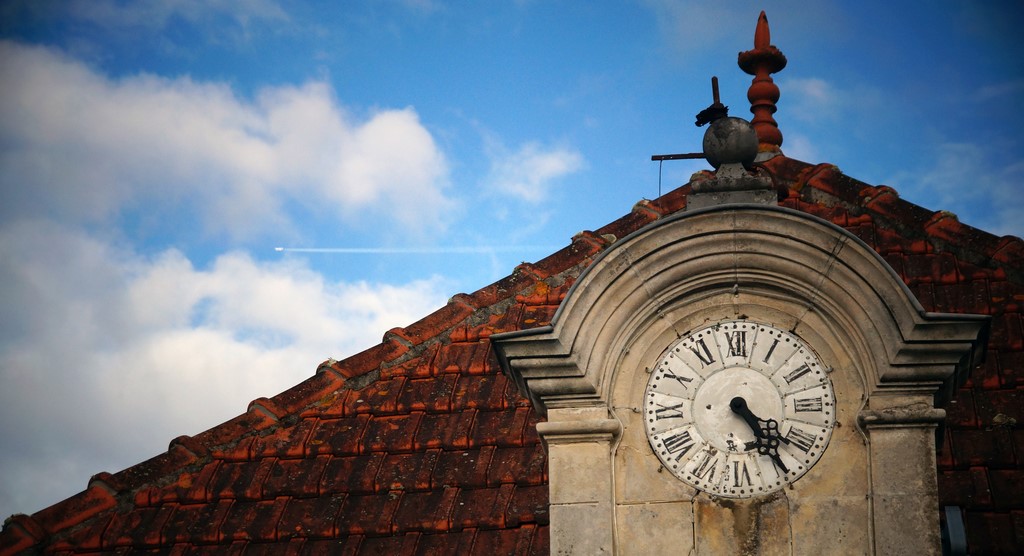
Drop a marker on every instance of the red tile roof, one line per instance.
(421, 445)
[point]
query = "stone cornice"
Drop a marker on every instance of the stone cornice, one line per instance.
(762, 251)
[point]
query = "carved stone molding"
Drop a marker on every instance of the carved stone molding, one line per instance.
(767, 252)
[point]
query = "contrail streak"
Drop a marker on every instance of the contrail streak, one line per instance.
(484, 249)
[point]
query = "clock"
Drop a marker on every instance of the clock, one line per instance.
(739, 409)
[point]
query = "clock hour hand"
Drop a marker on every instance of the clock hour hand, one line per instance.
(766, 432)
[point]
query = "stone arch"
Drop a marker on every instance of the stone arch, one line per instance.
(767, 252)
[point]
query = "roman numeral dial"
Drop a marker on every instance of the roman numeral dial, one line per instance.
(739, 408)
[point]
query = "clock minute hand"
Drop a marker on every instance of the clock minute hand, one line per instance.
(766, 432)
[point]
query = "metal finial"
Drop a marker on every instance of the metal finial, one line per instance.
(716, 110)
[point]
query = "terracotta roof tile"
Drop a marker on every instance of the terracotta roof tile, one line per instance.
(420, 366)
(428, 511)
(352, 474)
(1000, 407)
(437, 322)
(974, 447)
(504, 541)
(499, 428)
(529, 504)
(993, 530)
(295, 477)
(391, 433)
(445, 430)
(480, 392)
(166, 464)
(444, 544)
(420, 446)
(433, 394)
(76, 509)
(380, 397)
(481, 507)
(345, 546)
(243, 480)
(466, 357)
(237, 451)
(140, 528)
(369, 514)
(407, 471)
(310, 517)
(338, 436)
(522, 465)
(285, 442)
(251, 520)
(965, 487)
(292, 548)
(188, 488)
(960, 411)
(464, 468)
(371, 359)
(1011, 369)
(84, 538)
(196, 523)
(382, 546)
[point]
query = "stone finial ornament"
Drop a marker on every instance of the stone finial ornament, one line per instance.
(761, 62)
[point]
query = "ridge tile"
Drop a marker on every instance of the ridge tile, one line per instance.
(75, 509)
(370, 359)
(435, 323)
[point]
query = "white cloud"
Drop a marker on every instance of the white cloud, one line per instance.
(529, 172)
(811, 98)
(801, 147)
(85, 147)
(106, 355)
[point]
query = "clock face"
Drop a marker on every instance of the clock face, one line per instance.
(739, 409)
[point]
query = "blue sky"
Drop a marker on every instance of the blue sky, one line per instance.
(154, 153)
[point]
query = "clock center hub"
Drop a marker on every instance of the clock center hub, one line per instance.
(717, 422)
